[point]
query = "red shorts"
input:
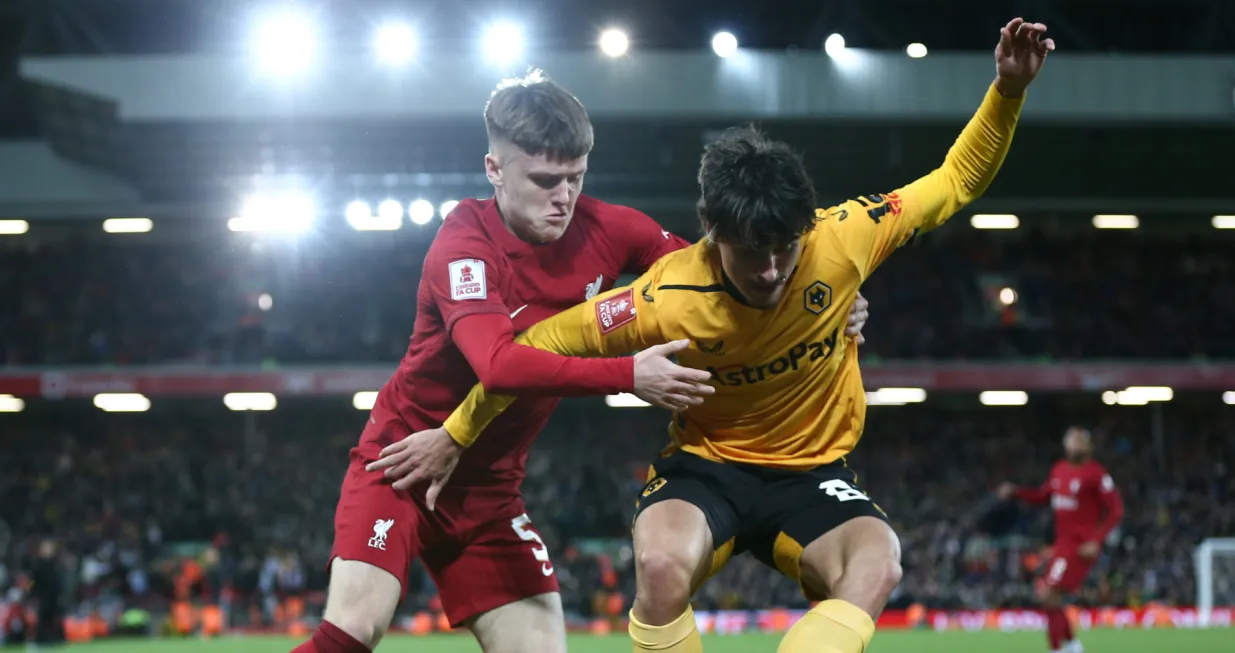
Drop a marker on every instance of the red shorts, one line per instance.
(482, 551)
(1067, 571)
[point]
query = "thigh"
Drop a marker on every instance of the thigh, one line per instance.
(530, 625)
(375, 524)
(826, 512)
(1066, 572)
(489, 565)
(690, 508)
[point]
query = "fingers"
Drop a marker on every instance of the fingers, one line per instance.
(435, 488)
(670, 347)
(391, 456)
(1046, 45)
(692, 375)
(699, 390)
(861, 339)
(416, 476)
(1005, 39)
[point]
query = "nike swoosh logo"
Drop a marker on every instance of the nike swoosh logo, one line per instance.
(665, 234)
(518, 311)
(546, 569)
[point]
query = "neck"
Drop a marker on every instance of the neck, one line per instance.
(500, 201)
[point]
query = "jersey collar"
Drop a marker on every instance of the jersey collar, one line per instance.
(495, 224)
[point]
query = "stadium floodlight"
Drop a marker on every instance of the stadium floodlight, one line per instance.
(614, 43)
(724, 44)
(357, 213)
(13, 227)
(1224, 222)
(394, 44)
(1115, 221)
(286, 42)
(128, 225)
(121, 402)
(1137, 396)
(834, 45)
(995, 221)
(895, 396)
(1152, 393)
(265, 302)
(503, 43)
(1228, 398)
(420, 212)
(446, 207)
(242, 401)
(364, 400)
(1004, 398)
(1007, 296)
(390, 210)
(288, 212)
(625, 400)
(915, 50)
(11, 404)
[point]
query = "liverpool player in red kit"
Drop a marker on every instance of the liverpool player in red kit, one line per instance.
(1087, 507)
(495, 268)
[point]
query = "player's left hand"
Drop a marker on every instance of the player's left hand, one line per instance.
(857, 319)
(1020, 55)
(422, 456)
(1089, 550)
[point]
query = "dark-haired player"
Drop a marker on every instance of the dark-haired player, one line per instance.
(1087, 508)
(496, 267)
(760, 467)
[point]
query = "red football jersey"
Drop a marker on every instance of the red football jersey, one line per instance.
(1085, 501)
(476, 265)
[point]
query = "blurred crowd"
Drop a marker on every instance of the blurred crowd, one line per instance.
(957, 293)
(190, 502)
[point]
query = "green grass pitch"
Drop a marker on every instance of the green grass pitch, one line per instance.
(1105, 641)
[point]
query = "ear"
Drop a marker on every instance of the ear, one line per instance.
(493, 170)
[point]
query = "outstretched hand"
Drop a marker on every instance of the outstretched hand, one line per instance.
(1020, 55)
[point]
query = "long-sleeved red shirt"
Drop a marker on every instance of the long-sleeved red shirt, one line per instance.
(1085, 501)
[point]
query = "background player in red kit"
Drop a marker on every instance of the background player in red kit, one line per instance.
(1087, 508)
(496, 267)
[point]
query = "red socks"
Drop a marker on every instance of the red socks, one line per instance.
(329, 639)
(1058, 628)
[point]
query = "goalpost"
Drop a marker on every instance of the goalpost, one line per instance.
(1215, 575)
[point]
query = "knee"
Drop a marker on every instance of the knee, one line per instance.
(664, 584)
(887, 575)
(1048, 597)
(363, 626)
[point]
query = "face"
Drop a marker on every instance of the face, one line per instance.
(537, 196)
(761, 275)
(1076, 444)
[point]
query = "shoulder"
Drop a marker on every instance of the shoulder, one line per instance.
(616, 222)
(1096, 470)
(462, 233)
(689, 266)
(605, 213)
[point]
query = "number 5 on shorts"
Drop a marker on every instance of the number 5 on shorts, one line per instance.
(842, 491)
(523, 528)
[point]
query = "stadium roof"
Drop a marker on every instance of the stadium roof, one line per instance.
(52, 27)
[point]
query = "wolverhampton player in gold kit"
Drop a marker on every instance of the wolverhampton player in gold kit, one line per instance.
(763, 300)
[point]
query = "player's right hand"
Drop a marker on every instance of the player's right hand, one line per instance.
(662, 382)
(1006, 491)
(429, 455)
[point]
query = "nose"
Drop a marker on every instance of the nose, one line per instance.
(768, 273)
(561, 194)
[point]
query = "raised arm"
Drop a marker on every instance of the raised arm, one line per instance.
(869, 228)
